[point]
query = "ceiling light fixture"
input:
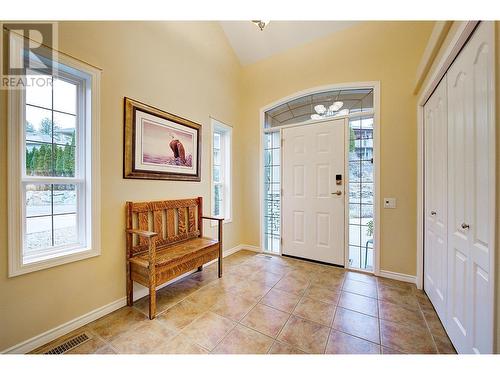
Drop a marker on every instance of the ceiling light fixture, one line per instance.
(333, 110)
(320, 109)
(336, 106)
(261, 24)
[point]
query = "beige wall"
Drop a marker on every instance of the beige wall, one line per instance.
(184, 68)
(388, 52)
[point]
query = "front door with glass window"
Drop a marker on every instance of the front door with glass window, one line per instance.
(313, 202)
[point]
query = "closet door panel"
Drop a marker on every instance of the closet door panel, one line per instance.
(441, 195)
(429, 237)
(471, 194)
(435, 257)
(459, 95)
(482, 166)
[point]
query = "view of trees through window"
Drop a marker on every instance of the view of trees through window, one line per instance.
(45, 159)
(50, 152)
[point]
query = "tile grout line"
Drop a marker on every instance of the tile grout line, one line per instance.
(108, 342)
(379, 320)
(182, 300)
(335, 314)
(428, 327)
(246, 314)
(260, 300)
(209, 310)
(301, 298)
(286, 322)
(446, 337)
(408, 326)
(289, 267)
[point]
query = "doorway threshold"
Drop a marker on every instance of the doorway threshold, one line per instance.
(313, 261)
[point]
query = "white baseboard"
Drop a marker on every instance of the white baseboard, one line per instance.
(257, 249)
(398, 276)
(65, 328)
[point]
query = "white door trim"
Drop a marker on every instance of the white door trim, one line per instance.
(461, 36)
(376, 155)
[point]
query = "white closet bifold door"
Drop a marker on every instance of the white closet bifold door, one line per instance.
(436, 129)
(471, 189)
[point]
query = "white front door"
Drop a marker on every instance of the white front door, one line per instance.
(313, 203)
(436, 198)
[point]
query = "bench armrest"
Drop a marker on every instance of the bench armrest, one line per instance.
(219, 224)
(213, 218)
(142, 233)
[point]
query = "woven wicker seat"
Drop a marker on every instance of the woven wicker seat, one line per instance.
(178, 253)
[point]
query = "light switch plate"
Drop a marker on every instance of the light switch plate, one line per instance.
(389, 202)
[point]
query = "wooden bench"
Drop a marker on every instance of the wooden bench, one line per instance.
(165, 240)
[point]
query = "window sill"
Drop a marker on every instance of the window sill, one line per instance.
(74, 255)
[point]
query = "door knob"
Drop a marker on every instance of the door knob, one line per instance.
(433, 213)
(465, 226)
(338, 192)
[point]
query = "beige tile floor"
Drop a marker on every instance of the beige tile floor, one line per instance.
(273, 305)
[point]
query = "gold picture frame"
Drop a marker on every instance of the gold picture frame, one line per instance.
(159, 145)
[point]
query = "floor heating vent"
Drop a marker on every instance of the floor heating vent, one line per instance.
(265, 256)
(69, 344)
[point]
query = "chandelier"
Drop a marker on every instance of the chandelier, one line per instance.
(333, 110)
(261, 24)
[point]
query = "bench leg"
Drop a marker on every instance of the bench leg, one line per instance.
(219, 237)
(220, 266)
(130, 287)
(152, 302)
(200, 268)
(152, 277)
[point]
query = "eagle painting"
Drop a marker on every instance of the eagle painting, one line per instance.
(178, 150)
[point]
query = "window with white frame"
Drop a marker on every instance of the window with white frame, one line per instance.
(221, 170)
(53, 169)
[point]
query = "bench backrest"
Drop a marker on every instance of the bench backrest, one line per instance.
(173, 220)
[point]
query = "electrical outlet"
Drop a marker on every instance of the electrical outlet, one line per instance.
(389, 202)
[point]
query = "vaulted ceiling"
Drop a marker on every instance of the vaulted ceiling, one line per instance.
(252, 44)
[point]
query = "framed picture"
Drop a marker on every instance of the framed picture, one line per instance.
(159, 145)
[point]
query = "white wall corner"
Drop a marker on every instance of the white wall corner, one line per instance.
(438, 35)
